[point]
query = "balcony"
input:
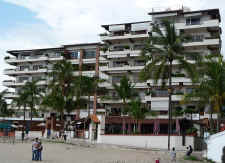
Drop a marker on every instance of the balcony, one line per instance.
(25, 71)
(175, 81)
(84, 73)
(205, 42)
(122, 53)
(10, 95)
(130, 35)
(203, 24)
(13, 83)
(55, 58)
(121, 68)
(12, 60)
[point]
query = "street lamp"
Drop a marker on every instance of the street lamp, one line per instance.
(170, 115)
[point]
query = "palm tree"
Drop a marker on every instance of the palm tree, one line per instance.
(20, 101)
(90, 86)
(125, 91)
(137, 111)
(161, 49)
(4, 110)
(59, 89)
(211, 88)
(33, 94)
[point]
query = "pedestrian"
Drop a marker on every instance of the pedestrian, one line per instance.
(189, 150)
(34, 149)
(173, 155)
(39, 154)
(64, 136)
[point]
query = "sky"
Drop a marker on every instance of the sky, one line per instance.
(28, 24)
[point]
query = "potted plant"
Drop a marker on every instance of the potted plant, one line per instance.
(103, 34)
(7, 57)
(192, 131)
(126, 47)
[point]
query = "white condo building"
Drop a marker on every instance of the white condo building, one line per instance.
(122, 57)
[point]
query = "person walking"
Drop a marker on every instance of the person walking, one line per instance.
(173, 155)
(39, 151)
(189, 150)
(34, 149)
(64, 136)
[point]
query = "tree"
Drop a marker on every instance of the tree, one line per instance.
(20, 101)
(64, 90)
(137, 111)
(4, 109)
(161, 49)
(32, 93)
(211, 88)
(125, 91)
(90, 87)
(59, 89)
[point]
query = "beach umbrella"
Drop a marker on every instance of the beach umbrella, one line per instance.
(14, 126)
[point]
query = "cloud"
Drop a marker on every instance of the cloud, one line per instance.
(75, 21)
(80, 20)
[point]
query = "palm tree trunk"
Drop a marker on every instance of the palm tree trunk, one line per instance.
(170, 94)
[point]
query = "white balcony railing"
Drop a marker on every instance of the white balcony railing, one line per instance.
(121, 68)
(124, 36)
(25, 71)
(10, 95)
(205, 42)
(27, 59)
(11, 83)
(203, 24)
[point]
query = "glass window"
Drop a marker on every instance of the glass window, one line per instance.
(89, 54)
(75, 55)
(193, 21)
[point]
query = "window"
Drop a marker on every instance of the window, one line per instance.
(89, 54)
(75, 55)
(22, 79)
(193, 21)
(37, 67)
(189, 90)
(197, 38)
(22, 68)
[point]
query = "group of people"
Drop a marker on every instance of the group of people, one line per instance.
(37, 150)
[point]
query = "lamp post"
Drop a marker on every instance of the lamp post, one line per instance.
(170, 116)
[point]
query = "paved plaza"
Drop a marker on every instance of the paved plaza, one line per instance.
(64, 153)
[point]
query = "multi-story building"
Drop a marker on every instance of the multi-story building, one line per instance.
(121, 57)
(124, 44)
(35, 64)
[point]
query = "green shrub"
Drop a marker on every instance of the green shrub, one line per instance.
(191, 158)
(191, 130)
(6, 57)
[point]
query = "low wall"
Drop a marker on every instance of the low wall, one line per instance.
(32, 134)
(146, 141)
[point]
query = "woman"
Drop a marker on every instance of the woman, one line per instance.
(40, 148)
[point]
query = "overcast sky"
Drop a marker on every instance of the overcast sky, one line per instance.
(27, 24)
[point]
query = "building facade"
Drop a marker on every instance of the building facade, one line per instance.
(125, 41)
(36, 64)
(119, 56)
